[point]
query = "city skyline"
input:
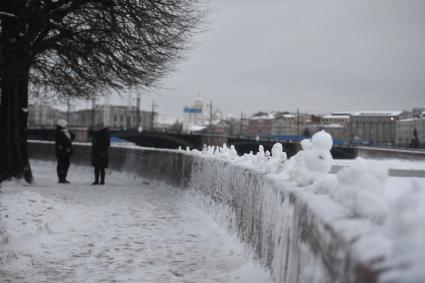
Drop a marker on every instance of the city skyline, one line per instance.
(315, 57)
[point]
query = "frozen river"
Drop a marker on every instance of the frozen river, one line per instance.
(130, 230)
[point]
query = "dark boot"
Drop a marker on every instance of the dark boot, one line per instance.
(96, 176)
(59, 172)
(62, 169)
(102, 176)
(62, 180)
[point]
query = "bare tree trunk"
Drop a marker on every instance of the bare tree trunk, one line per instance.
(13, 118)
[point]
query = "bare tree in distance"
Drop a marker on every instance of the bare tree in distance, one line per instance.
(73, 47)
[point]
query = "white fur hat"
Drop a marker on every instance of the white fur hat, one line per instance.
(62, 123)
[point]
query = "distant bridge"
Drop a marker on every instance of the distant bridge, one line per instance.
(175, 140)
(161, 140)
(242, 144)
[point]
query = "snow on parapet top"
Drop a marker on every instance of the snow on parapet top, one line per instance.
(361, 188)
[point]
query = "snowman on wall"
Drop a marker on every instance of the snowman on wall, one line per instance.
(313, 161)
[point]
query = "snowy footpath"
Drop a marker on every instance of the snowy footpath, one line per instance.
(130, 230)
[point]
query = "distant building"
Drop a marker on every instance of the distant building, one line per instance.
(374, 127)
(125, 117)
(281, 124)
(284, 123)
(260, 124)
(42, 115)
(336, 118)
(405, 128)
(114, 116)
(336, 124)
(234, 126)
(218, 127)
(81, 118)
(194, 119)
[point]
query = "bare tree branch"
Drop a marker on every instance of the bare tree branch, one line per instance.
(110, 43)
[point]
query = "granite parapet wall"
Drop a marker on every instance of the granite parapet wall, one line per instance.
(166, 165)
(274, 218)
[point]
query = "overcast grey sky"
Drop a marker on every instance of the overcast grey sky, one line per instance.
(318, 56)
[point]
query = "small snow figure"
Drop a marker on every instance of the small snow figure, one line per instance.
(267, 155)
(233, 152)
(318, 158)
(314, 161)
(278, 157)
(322, 140)
(260, 159)
(63, 150)
(206, 150)
(260, 156)
(306, 144)
(226, 153)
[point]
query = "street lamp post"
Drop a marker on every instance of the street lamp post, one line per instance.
(154, 105)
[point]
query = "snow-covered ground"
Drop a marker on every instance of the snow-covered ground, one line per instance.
(130, 230)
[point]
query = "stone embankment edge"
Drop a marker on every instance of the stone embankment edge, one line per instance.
(289, 235)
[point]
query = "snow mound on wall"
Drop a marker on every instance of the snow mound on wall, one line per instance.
(311, 163)
(361, 188)
(406, 226)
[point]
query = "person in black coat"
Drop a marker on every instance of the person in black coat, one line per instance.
(100, 153)
(63, 150)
